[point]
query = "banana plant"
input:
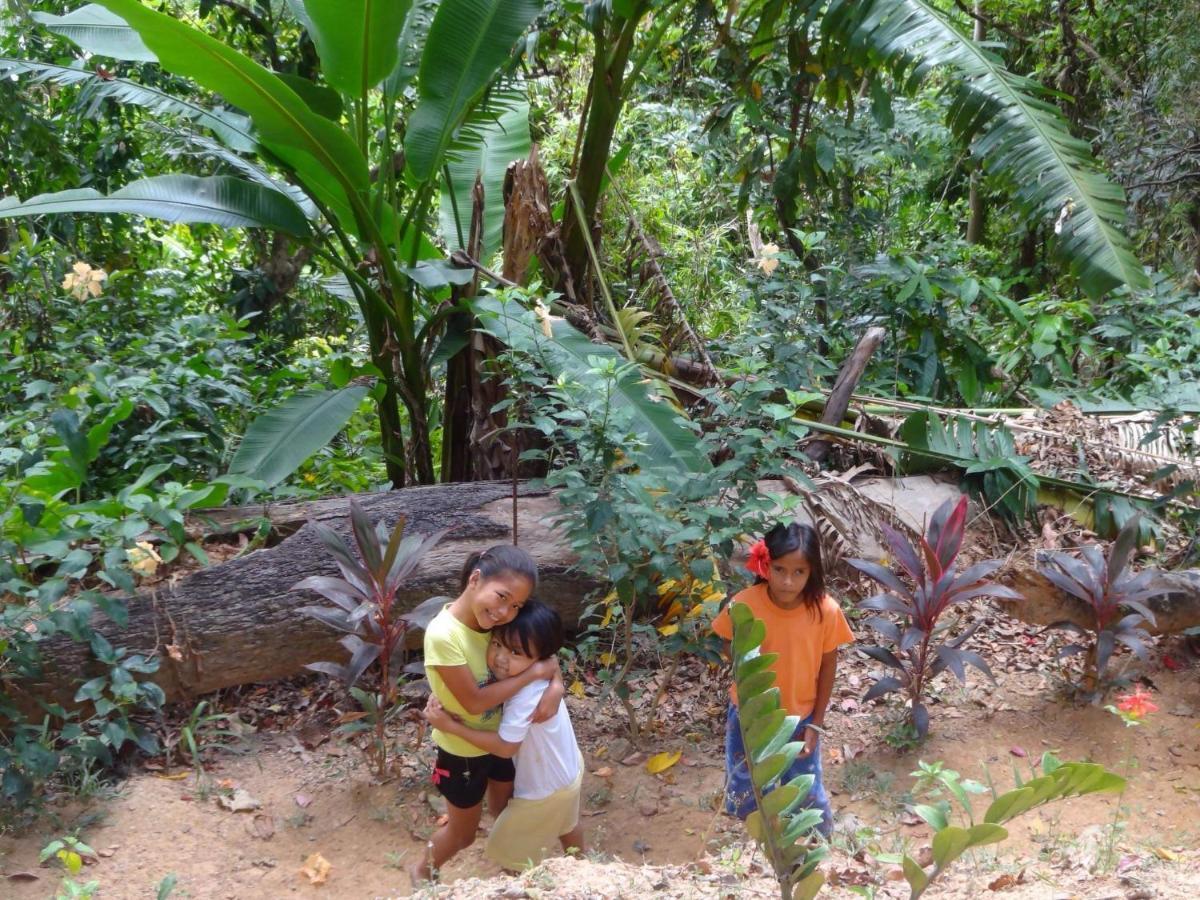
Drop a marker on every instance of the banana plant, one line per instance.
(324, 162)
(783, 829)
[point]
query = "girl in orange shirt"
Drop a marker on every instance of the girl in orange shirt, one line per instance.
(805, 626)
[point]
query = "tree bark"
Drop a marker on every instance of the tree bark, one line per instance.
(975, 224)
(848, 378)
(239, 621)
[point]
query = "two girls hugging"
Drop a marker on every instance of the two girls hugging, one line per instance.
(494, 627)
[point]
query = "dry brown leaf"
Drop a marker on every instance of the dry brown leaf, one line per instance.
(603, 772)
(240, 801)
(1007, 880)
(316, 869)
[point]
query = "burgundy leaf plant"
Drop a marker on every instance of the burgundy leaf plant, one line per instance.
(930, 586)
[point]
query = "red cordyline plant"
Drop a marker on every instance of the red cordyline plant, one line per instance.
(1112, 595)
(364, 608)
(935, 587)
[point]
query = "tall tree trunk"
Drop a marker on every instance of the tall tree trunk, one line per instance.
(391, 429)
(975, 224)
(614, 42)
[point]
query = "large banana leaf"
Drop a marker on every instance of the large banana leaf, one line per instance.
(100, 31)
(1015, 132)
(279, 440)
(357, 40)
(234, 130)
(217, 200)
(323, 156)
(468, 41)
(567, 351)
(487, 150)
(204, 146)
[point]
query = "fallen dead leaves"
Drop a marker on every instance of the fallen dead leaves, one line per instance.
(660, 762)
(316, 869)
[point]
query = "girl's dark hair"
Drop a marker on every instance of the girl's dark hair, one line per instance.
(496, 561)
(787, 538)
(536, 631)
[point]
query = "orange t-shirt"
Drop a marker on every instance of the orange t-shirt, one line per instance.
(798, 636)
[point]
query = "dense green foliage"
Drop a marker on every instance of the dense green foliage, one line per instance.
(270, 194)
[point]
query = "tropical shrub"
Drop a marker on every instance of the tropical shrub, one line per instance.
(935, 588)
(784, 830)
(648, 500)
(1113, 595)
(365, 610)
(1058, 781)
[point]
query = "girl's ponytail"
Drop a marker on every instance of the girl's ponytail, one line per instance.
(498, 560)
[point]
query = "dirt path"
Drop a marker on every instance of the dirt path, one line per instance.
(323, 801)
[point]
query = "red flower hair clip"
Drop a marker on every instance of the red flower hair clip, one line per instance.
(439, 774)
(759, 562)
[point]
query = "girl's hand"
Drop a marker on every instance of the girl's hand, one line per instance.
(547, 707)
(811, 735)
(436, 715)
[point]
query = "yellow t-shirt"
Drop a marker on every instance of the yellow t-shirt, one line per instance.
(799, 636)
(448, 642)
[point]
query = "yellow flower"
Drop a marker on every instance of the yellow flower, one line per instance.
(143, 559)
(767, 261)
(83, 280)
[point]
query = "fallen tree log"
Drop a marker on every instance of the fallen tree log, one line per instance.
(238, 621)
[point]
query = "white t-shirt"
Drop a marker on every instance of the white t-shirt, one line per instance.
(548, 760)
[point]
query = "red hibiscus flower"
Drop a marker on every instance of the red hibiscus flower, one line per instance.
(759, 562)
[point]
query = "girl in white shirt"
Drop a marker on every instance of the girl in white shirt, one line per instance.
(545, 804)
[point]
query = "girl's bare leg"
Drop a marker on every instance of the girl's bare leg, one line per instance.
(573, 840)
(457, 834)
(498, 795)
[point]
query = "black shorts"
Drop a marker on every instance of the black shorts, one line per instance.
(463, 780)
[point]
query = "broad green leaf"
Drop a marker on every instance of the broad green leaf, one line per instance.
(914, 874)
(763, 730)
(279, 440)
(808, 887)
(1009, 805)
(568, 351)
(1014, 130)
(357, 40)
(935, 816)
(217, 200)
(99, 31)
(468, 41)
(320, 152)
(486, 148)
(324, 101)
(766, 771)
(744, 668)
(985, 833)
(949, 843)
(782, 800)
(751, 685)
(233, 129)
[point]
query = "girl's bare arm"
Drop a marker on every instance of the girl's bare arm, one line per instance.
(476, 699)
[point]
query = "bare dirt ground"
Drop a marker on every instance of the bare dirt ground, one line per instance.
(660, 834)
